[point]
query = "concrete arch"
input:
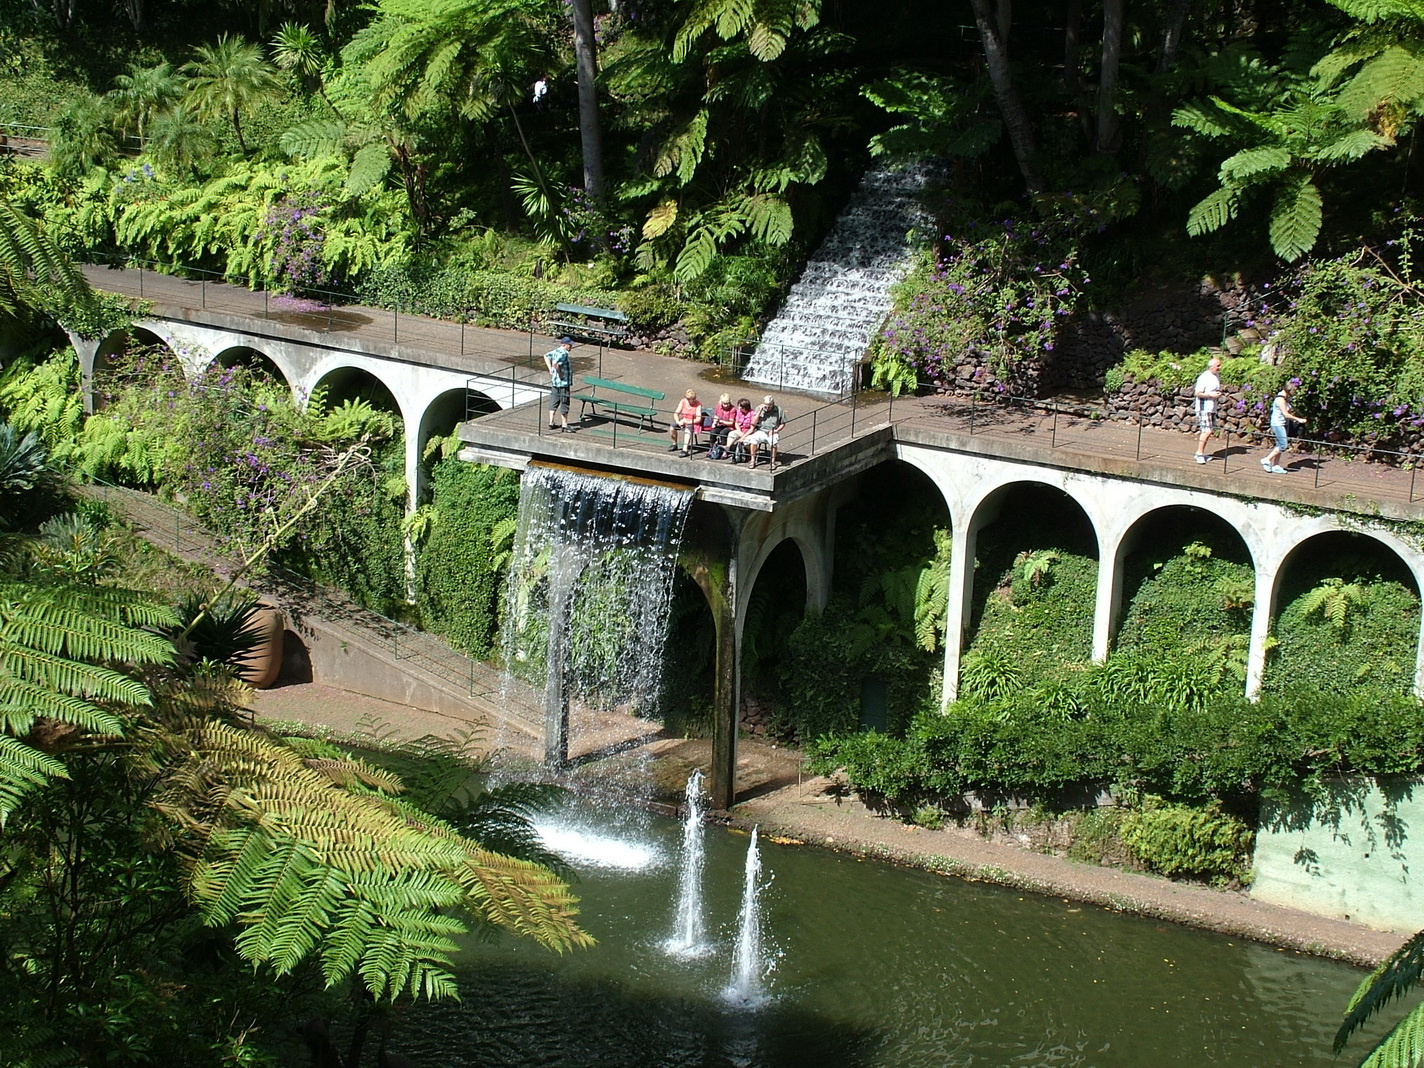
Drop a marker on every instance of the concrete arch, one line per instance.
(238, 355)
(1132, 539)
(1322, 526)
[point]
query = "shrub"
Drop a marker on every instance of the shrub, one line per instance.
(459, 568)
(1178, 840)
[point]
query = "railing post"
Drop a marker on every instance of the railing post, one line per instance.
(1319, 459)
(853, 408)
(1139, 431)
(1053, 437)
(1414, 470)
(203, 289)
(973, 410)
(462, 337)
(1226, 450)
(395, 322)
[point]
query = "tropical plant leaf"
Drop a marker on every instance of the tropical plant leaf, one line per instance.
(1214, 211)
(660, 219)
(315, 137)
(1392, 980)
(369, 168)
(1295, 219)
(1250, 162)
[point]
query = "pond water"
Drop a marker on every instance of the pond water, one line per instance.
(871, 965)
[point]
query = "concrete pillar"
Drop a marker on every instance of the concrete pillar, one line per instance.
(1419, 659)
(710, 557)
(413, 474)
(88, 352)
(1261, 613)
(961, 591)
(1109, 599)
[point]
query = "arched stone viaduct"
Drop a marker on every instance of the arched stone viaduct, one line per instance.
(427, 395)
(744, 517)
(974, 487)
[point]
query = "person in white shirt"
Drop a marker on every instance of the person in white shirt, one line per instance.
(1207, 391)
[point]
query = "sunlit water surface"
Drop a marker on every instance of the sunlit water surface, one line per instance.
(872, 965)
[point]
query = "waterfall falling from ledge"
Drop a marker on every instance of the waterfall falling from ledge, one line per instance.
(590, 585)
(835, 308)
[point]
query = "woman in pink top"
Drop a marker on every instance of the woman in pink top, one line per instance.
(743, 423)
(686, 420)
(724, 418)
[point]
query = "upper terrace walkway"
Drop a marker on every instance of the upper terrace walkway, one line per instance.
(1061, 435)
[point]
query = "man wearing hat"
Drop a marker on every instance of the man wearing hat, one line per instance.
(561, 377)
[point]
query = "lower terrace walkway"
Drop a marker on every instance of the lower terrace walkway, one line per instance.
(1061, 434)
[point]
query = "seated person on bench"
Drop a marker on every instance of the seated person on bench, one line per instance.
(769, 421)
(743, 421)
(686, 422)
(723, 420)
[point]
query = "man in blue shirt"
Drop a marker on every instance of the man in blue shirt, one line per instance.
(561, 377)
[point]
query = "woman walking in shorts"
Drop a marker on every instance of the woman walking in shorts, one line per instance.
(1280, 414)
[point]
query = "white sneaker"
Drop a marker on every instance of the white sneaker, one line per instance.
(1278, 470)
(1200, 458)
(1266, 464)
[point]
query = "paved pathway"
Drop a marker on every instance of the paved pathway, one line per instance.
(1059, 434)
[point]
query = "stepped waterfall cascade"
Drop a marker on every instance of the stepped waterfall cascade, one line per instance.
(749, 962)
(689, 939)
(590, 588)
(834, 309)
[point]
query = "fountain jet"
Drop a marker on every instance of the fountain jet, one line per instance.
(689, 937)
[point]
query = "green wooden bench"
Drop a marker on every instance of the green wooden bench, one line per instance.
(599, 324)
(619, 398)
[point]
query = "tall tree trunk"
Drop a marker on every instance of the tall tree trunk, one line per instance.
(1072, 39)
(1006, 94)
(1107, 82)
(590, 132)
(1172, 33)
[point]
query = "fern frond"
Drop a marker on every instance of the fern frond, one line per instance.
(1295, 219)
(1213, 211)
(1395, 75)
(1249, 162)
(1395, 977)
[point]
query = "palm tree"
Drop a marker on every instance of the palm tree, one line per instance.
(82, 136)
(297, 50)
(227, 77)
(144, 92)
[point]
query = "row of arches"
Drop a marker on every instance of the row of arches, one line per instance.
(428, 402)
(1000, 511)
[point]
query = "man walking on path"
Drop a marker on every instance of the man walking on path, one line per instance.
(1207, 390)
(561, 377)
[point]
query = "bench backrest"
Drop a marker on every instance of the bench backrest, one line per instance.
(611, 314)
(622, 387)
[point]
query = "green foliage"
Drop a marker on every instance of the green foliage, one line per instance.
(1396, 976)
(1181, 840)
(1187, 602)
(53, 643)
(180, 816)
(994, 291)
(460, 565)
(1368, 623)
(1161, 739)
(24, 465)
(34, 271)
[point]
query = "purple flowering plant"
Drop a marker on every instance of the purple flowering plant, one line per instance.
(996, 292)
(294, 233)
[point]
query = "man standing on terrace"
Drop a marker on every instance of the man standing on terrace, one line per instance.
(1207, 391)
(561, 377)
